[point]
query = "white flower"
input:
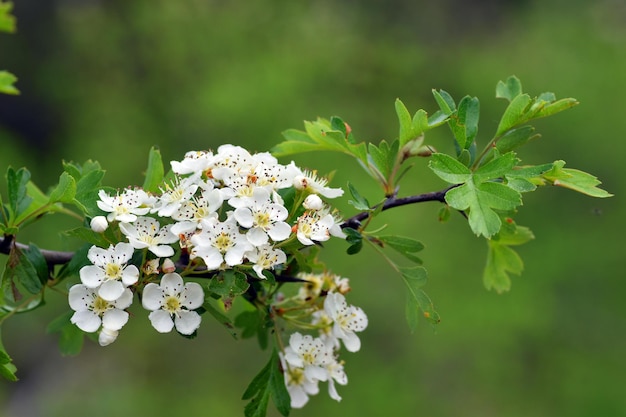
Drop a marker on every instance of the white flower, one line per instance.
(335, 374)
(346, 320)
(310, 354)
(314, 226)
(195, 162)
(220, 242)
(109, 272)
(99, 224)
(93, 312)
(265, 257)
(191, 213)
(125, 207)
(172, 303)
(322, 320)
(145, 233)
(298, 385)
(173, 196)
(309, 181)
(263, 218)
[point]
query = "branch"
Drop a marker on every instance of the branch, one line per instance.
(61, 258)
(391, 202)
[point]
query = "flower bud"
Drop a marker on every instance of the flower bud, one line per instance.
(107, 336)
(300, 182)
(168, 266)
(313, 202)
(99, 224)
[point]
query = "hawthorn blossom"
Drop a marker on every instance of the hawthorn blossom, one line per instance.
(99, 224)
(220, 242)
(191, 213)
(109, 273)
(335, 374)
(194, 162)
(146, 233)
(314, 226)
(312, 355)
(263, 218)
(92, 312)
(172, 303)
(265, 257)
(309, 181)
(347, 320)
(173, 196)
(298, 385)
(125, 207)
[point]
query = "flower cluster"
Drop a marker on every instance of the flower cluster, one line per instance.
(222, 210)
(307, 360)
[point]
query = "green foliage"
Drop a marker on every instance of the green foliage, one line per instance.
(154, 172)
(267, 383)
(574, 180)
(71, 338)
(7, 24)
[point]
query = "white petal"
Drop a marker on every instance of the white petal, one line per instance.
(91, 276)
(172, 284)
(187, 322)
(243, 215)
(235, 255)
(162, 251)
(192, 296)
(122, 252)
(351, 341)
(161, 321)
(114, 319)
(257, 236)
(125, 300)
(87, 321)
(111, 290)
(80, 297)
(316, 373)
(298, 397)
(279, 231)
(332, 391)
(98, 256)
(130, 275)
(212, 257)
(152, 297)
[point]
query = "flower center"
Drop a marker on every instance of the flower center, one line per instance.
(113, 271)
(262, 219)
(223, 242)
(171, 304)
(100, 306)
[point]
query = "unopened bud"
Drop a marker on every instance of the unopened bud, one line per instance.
(99, 224)
(168, 266)
(300, 182)
(313, 202)
(107, 336)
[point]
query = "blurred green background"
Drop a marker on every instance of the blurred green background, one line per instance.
(106, 80)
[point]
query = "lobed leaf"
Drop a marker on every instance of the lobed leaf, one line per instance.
(449, 169)
(576, 180)
(269, 382)
(7, 81)
(509, 89)
(65, 191)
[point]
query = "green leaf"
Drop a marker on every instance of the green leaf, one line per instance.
(154, 172)
(268, 383)
(71, 337)
(464, 124)
(481, 200)
(445, 102)
(319, 135)
(404, 119)
(359, 202)
(355, 239)
(557, 107)
(496, 168)
(576, 180)
(87, 235)
(6, 83)
(449, 169)
(18, 197)
(404, 245)
(37, 260)
(20, 273)
(509, 89)
(220, 317)
(383, 157)
(229, 284)
(515, 114)
(414, 278)
(502, 260)
(79, 259)
(7, 21)
(516, 138)
(65, 191)
(87, 188)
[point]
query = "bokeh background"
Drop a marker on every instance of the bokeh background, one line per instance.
(106, 80)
